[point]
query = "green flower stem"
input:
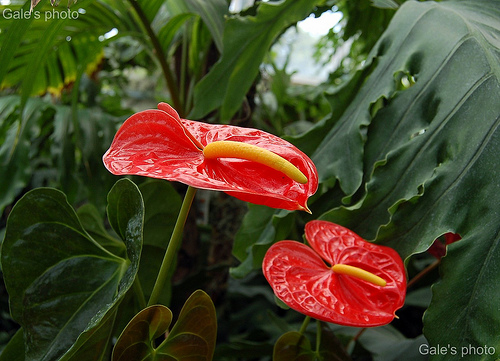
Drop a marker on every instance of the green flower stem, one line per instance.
(305, 323)
(173, 246)
(318, 335)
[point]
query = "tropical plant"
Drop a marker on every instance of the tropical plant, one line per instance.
(407, 155)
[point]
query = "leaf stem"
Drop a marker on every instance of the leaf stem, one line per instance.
(422, 273)
(173, 246)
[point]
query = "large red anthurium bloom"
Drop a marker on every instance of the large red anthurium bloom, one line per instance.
(246, 163)
(362, 285)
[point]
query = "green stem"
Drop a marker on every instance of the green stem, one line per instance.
(173, 246)
(167, 73)
(304, 325)
(318, 335)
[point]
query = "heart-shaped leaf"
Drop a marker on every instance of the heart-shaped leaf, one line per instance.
(192, 337)
(64, 287)
(137, 339)
(92, 222)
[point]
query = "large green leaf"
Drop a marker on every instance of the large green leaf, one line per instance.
(92, 223)
(192, 337)
(64, 287)
(415, 152)
(246, 40)
(417, 149)
(426, 131)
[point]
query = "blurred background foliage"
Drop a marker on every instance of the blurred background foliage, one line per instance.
(70, 76)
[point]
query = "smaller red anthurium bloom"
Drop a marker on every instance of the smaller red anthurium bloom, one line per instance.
(362, 286)
(246, 163)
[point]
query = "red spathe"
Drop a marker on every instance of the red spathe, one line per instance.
(158, 144)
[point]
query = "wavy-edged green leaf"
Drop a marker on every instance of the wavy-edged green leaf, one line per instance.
(432, 140)
(245, 42)
(418, 150)
(192, 337)
(64, 287)
(464, 306)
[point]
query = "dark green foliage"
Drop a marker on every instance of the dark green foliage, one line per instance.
(404, 134)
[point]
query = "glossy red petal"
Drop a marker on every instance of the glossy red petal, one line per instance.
(253, 182)
(339, 245)
(302, 280)
(155, 144)
(158, 144)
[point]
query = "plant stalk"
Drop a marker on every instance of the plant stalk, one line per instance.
(173, 246)
(305, 323)
(318, 336)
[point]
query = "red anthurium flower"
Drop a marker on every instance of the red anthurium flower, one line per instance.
(362, 285)
(248, 164)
